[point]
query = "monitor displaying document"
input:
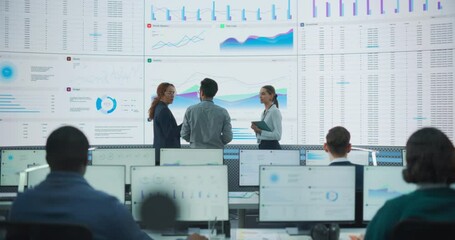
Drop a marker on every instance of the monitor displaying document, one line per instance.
(250, 160)
(15, 161)
(109, 179)
(190, 156)
(124, 156)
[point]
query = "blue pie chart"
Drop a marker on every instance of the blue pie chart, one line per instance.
(106, 104)
(7, 72)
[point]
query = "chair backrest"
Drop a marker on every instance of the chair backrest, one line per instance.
(41, 231)
(416, 229)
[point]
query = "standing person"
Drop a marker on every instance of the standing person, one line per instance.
(272, 117)
(205, 124)
(430, 159)
(166, 133)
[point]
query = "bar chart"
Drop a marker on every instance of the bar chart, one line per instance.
(214, 11)
(343, 8)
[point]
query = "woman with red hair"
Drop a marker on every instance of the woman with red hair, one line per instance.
(166, 132)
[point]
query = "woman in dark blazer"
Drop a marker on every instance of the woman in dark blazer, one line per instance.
(166, 132)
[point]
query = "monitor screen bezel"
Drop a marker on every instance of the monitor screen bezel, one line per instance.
(186, 166)
(305, 222)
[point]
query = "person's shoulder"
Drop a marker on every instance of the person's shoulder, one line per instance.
(24, 197)
(400, 201)
(100, 198)
(103, 196)
(220, 108)
(275, 109)
(191, 107)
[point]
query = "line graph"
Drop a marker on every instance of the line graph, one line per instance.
(279, 41)
(185, 40)
(229, 101)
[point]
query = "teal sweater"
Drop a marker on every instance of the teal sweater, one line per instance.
(434, 204)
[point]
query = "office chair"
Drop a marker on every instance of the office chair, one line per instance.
(417, 229)
(42, 231)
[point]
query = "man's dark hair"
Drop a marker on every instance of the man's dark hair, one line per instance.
(338, 140)
(67, 149)
(209, 87)
(430, 157)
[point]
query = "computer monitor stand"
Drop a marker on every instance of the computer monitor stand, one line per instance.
(301, 229)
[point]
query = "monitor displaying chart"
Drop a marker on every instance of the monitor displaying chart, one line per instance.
(381, 184)
(307, 194)
(200, 192)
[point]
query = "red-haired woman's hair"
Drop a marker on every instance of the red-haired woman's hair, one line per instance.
(160, 90)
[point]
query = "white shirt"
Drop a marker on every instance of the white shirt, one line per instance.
(272, 117)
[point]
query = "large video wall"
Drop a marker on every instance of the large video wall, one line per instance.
(381, 68)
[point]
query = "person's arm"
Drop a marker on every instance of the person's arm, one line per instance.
(185, 131)
(226, 136)
(276, 119)
(196, 236)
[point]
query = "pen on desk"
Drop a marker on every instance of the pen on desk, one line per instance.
(213, 227)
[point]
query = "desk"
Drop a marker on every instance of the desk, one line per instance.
(242, 201)
(261, 234)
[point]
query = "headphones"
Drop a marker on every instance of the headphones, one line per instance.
(323, 232)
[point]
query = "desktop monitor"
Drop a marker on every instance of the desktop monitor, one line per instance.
(321, 157)
(381, 184)
(109, 179)
(307, 194)
(190, 156)
(403, 157)
(200, 192)
(15, 161)
(250, 160)
(125, 156)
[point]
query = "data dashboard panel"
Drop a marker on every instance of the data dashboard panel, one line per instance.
(382, 69)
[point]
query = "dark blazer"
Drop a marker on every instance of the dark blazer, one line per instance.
(166, 133)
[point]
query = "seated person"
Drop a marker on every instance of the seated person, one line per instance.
(430, 162)
(338, 146)
(66, 197)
